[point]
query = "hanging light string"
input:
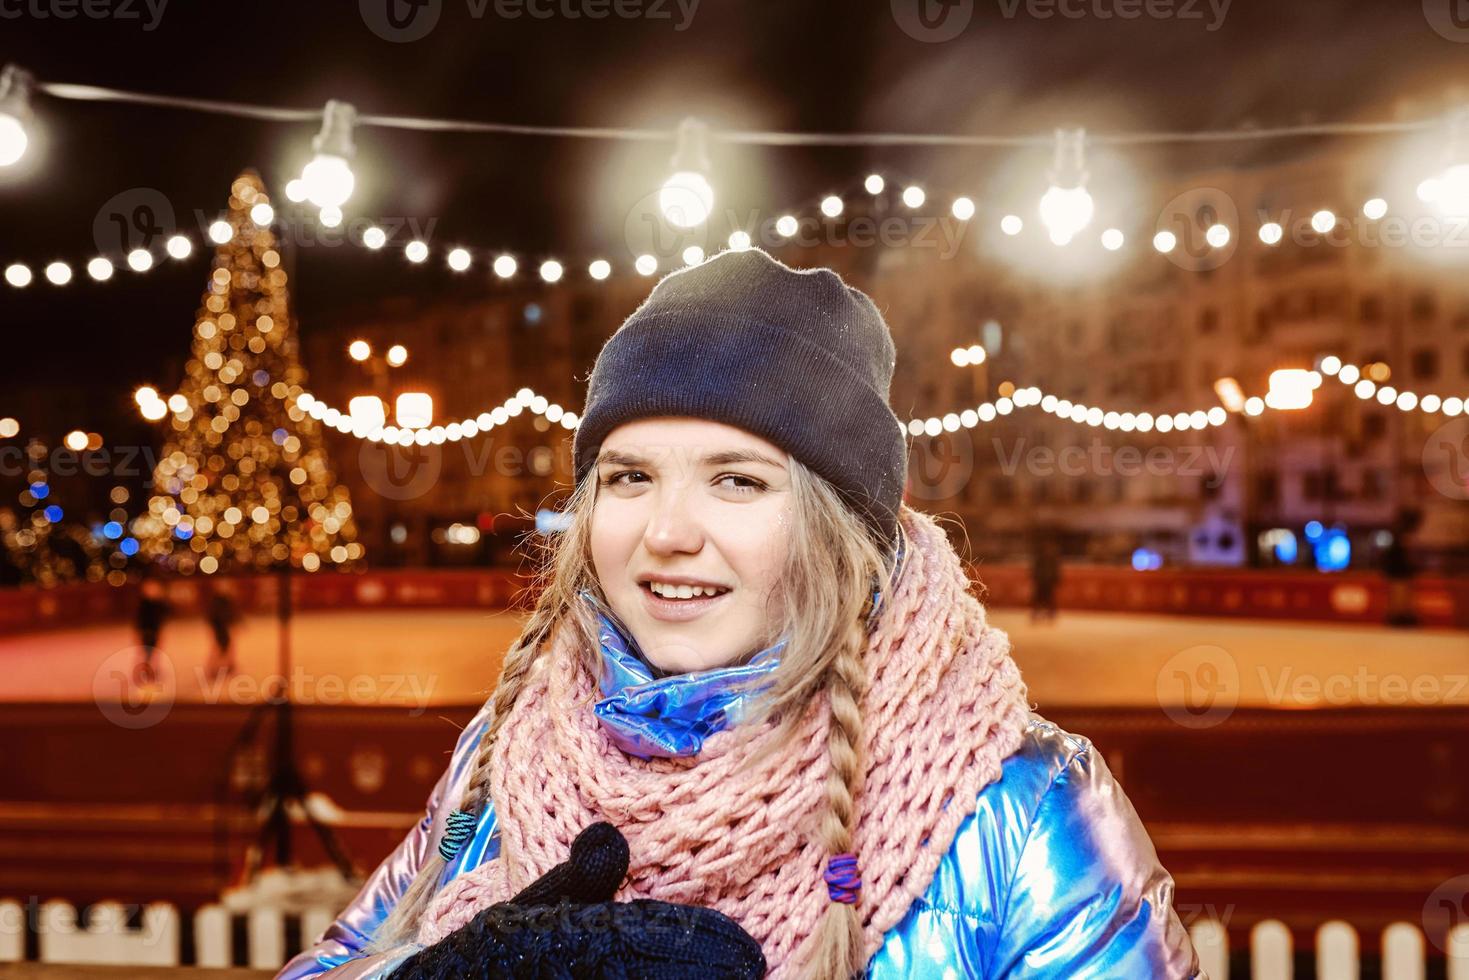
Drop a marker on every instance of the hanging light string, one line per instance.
(154, 408)
(94, 93)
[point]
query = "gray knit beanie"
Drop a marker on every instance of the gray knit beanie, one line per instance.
(796, 357)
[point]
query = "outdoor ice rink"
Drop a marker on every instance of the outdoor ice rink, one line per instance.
(423, 659)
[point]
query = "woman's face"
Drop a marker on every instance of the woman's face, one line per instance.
(683, 502)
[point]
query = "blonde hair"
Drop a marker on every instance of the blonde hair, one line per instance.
(833, 561)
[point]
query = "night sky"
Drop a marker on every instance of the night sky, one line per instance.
(750, 65)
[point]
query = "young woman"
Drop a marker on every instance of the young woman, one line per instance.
(770, 675)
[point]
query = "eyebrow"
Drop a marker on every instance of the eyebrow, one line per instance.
(617, 457)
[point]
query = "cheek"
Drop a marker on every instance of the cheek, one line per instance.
(610, 541)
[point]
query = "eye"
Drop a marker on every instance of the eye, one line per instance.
(743, 485)
(617, 479)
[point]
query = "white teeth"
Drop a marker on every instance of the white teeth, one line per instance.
(670, 591)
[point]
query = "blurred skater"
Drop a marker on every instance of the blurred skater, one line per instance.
(223, 613)
(151, 613)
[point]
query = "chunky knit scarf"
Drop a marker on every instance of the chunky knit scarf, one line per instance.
(945, 705)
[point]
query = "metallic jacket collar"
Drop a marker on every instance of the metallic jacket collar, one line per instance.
(650, 716)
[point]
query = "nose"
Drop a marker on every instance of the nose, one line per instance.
(673, 527)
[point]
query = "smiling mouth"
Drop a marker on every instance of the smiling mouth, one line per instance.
(683, 593)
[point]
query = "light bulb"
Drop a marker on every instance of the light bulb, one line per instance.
(962, 208)
(1066, 210)
(874, 183)
(58, 273)
(140, 260)
(551, 270)
(1374, 209)
(1112, 239)
(328, 181)
(295, 190)
(646, 265)
(459, 259)
(686, 199)
(18, 275)
(13, 139)
(374, 237)
(913, 196)
(1217, 236)
(1165, 241)
(330, 217)
(1271, 233)
(599, 269)
(179, 247)
(504, 266)
(397, 355)
(416, 251)
(1451, 190)
(693, 255)
(1323, 221)
(220, 232)
(786, 225)
(15, 112)
(831, 206)
(739, 240)
(262, 214)
(99, 269)
(1011, 224)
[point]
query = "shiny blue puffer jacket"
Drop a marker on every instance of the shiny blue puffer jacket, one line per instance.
(1052, 876)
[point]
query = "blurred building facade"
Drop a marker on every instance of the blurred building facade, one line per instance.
(1148, 333)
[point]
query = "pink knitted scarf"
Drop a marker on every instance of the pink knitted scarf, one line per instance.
(944, 706)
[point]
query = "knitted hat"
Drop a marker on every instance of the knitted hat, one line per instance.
(796, 357)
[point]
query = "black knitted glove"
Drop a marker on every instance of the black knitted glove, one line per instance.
(564, 925)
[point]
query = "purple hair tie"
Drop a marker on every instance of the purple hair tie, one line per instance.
(843, 880)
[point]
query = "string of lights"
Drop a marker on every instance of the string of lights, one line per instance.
(686, 198)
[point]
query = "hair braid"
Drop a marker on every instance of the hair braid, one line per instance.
(838, 953)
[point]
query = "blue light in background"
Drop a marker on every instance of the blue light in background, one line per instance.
(112, 530)
(129, 546)
(1333, 550)
(1287, 549)
(183, 533)
(1146, 560)
(1313, 530)
(40, 490)
(53, 513)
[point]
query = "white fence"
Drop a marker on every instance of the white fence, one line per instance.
(1404, 951)
(107, 939)
(157, 941)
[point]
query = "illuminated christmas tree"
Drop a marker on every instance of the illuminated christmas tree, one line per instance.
(244, 481)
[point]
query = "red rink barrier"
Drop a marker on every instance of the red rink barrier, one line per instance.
(1336, 597)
